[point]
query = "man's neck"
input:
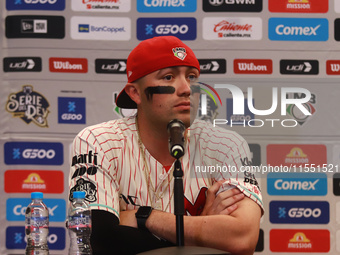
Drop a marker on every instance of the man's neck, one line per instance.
(155, 140)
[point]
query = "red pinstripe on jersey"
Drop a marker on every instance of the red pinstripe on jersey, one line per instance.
(120, 181)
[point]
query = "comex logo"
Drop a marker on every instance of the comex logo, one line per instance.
(287, 30)
(162, 3)
(20, 210)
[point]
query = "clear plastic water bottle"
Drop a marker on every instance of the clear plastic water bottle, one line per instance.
(36, 226)
(79, 225)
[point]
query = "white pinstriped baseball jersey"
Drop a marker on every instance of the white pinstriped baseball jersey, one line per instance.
(110, 165)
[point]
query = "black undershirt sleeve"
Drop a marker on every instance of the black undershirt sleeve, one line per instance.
(108, 237)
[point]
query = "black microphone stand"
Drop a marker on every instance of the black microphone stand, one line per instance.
(179, 202)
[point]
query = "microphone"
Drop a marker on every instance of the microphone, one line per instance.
(176, 138)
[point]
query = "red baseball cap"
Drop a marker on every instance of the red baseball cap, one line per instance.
(151, 55)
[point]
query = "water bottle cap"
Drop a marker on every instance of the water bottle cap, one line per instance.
(78, 194)
(37, 195)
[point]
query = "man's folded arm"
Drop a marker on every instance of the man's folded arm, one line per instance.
(236, 233)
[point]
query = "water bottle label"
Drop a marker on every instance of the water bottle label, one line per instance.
(36, 223)
(79, 221)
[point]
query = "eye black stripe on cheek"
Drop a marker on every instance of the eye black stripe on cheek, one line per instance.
(149, 91)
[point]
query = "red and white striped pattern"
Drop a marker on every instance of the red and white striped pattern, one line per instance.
(121, 165)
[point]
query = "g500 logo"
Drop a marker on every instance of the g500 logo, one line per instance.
(29, 105)
(299, 102)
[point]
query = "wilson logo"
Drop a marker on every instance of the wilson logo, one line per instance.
(253, 66)
(68, 65)
(333, 67)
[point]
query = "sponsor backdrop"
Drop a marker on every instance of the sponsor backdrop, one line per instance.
(63, 63)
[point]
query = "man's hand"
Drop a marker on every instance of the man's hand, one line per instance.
(224, 203)
(128, 218)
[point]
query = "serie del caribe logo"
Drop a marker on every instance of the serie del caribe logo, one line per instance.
(28, 105)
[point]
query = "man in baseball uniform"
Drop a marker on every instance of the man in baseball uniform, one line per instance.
(126, 169)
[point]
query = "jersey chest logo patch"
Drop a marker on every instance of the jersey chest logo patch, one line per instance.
(196, 208)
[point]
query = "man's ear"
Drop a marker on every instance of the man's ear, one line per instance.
(132, 89)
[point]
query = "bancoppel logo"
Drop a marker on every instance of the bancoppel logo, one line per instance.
(300, 6)
(29, 105)
(33, 153)
(183, 28)
(297, 184)
(52, 5)
(210, 66)
(84, 28)
(35, 27)
(71, 110)
(121, 112)
(101, 6)
(337, 29)
(27, 181)
(231, 28)
(294, 155)
(295, 112)
(22, 64)
(166, 6)
(298, 29)
(333, 67)
(299, 67)
(232, 5)
(16, 207)
(101, 28)
(299, 240)
(238, 119)
(253, 66)
(15, 238)
(68, 65)
(114, 66)
(299, 212)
